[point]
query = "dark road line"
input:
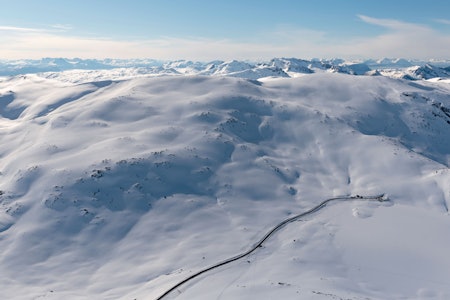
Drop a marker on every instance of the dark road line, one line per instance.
(267, 236)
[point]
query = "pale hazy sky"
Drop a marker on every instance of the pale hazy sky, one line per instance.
(244, 29)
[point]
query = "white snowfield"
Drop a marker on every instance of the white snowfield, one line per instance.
(120, 189)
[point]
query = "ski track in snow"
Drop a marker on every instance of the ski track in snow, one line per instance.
(115, 189)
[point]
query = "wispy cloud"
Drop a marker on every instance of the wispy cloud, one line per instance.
(19, 29)
(443, 21)
(400, 39)
(282, 41)
(62, 27)
(51, 44)
(389, 23)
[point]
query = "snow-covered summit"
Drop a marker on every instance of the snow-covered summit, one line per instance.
(391, 63)
(424, 72)
(429, 71)
(292, 65)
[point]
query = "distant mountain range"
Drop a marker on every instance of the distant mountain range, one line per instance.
(277, 67)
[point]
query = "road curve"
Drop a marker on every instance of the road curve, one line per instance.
(268, 235)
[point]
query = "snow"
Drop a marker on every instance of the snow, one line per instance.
(87, 70)
(120, 187)
(418, 272)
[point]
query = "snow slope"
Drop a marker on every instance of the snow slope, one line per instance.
(117, 189)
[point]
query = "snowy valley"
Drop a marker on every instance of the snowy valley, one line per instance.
(118, 182)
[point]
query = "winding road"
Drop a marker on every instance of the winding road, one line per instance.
(270, 233)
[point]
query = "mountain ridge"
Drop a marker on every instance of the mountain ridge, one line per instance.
(277, 67)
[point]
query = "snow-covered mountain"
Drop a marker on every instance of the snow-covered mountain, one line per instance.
(418, 73)
(392, 63)
(291, 65)
(429, 72)
(113, 69)
(26, 66)
(118, 189)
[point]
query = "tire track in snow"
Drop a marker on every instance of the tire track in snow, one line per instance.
(270, 233)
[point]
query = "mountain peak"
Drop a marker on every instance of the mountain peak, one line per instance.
(276, 67)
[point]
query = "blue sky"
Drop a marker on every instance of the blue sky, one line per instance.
(245, 29)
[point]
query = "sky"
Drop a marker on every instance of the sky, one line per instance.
(232, 29)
